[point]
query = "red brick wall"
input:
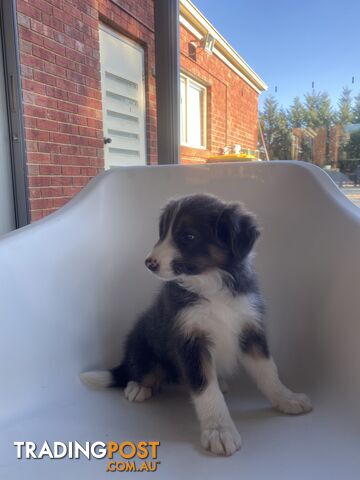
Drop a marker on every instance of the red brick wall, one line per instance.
(60, 70)
(232, 105)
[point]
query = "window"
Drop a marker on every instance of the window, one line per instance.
(192, 113)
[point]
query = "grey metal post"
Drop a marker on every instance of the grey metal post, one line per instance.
(167, 80)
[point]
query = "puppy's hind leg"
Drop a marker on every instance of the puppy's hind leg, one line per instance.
(136, 392)
(261, 367)
(141, 366)
(150, 384)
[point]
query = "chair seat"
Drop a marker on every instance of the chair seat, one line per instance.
(72, 285)
(322, 444)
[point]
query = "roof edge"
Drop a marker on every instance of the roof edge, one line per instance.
(192, 19)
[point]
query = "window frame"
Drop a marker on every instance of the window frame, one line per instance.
(203, 88)
(13, 93)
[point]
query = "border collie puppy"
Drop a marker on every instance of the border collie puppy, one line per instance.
(208, 316)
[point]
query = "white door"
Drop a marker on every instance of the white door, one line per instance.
(123, 96)
(7, 211)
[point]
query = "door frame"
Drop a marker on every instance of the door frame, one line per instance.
(9, 34)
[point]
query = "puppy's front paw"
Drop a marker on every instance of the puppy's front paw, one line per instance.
(135, 392)
(293, 404)
(222, 440)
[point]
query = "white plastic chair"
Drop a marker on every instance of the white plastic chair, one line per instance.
(72, 284)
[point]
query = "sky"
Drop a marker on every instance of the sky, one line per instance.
(291, 44)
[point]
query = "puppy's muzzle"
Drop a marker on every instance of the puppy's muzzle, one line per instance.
(152, 264)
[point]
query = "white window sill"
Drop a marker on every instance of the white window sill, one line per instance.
(197, 147)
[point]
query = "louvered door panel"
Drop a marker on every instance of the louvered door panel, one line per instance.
(122, 77)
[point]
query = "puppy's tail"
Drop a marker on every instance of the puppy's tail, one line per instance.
(117, 377)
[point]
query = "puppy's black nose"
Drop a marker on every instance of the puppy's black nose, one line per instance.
(152, 264)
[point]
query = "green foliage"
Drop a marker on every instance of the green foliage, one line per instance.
(352, 148)
(345, 114)
(356, 109)
(296, 114)
(315, 111)
(276, 130)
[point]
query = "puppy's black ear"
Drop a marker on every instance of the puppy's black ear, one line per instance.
(237, 229)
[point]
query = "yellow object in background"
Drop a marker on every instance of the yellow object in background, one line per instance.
(234, 153)
(233, 157)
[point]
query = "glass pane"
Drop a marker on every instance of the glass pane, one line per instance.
(194, 121)
(306, 90)
(317, 130)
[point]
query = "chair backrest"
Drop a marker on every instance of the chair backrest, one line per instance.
(72, 284)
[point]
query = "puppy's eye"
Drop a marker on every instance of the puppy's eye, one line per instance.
(188, 237)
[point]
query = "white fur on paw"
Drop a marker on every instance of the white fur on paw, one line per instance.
(294, 404)
(135, 392)
(222, 440)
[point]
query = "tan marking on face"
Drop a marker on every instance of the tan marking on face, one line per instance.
(217, 254)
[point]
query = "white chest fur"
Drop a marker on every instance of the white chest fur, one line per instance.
(221, 317)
